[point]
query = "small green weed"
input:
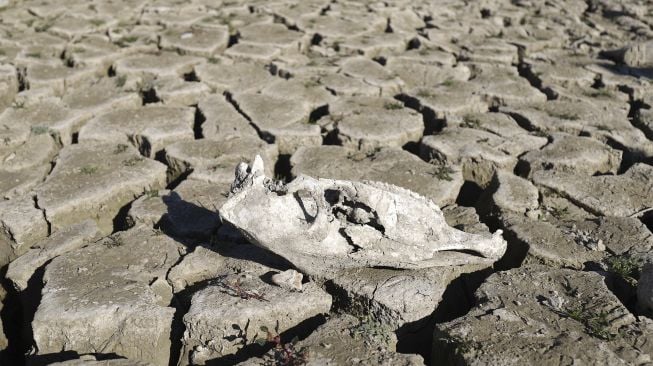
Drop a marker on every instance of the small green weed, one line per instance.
(88, 169)
(112, 242)
(130, 39)
(465, 346)
(393, 106)
(43, 27)
(570, 116)
(603, 128)
(311, 83)
(448, 82)
(569, 289)
(39, 130)
(424, 93)
(121, 80)
(371, 330)
(151, 193)
(471, 122)
(443, 172)
(97, 22)
(597, 93)
(624, 267)
(132, 161)
(120, 148)
(126, 41)
(596, 324)
(356, 156)
(362, 155)
(577, 313)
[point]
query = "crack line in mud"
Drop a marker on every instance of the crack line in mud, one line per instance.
(263, 136)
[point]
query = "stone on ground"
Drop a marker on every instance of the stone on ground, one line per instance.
(575, 154)
(90, 360)
(99, 97)
(581, 117)
(276, 35)
(346, 340)
(447, 101)
(230, 310)
(397, 298)
(151, 65)
(197, 40)
(23, 224)
(49, 116)
(282, 121)
(215, 160)
(110, 297)
(371, 123)
(176, 92)
(4, 342)
(440, 183)
(537, 314)
(190, 211)
(239, 77)
(200, 265)
(222, 119)
(80, 187)
(611, 195)
(150, 128)
(21, 270)
(480, 153)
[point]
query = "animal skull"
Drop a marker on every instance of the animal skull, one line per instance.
(323, 225)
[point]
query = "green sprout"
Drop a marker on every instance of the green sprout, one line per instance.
(121, 80)
(393, 106)
(132, 161)
(596, 324)
(39, 130)
(88, 169)
(625, 267)
(443, 172)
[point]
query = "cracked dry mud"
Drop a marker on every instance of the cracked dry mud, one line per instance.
(121, 124)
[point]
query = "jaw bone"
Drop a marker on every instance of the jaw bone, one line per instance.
(324, 225)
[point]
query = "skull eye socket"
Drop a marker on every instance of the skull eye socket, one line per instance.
(332, 196)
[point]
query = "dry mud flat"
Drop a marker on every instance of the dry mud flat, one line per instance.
(121, 123)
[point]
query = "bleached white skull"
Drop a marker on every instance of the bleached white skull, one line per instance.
(322, 225)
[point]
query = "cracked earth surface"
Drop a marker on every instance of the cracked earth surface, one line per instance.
(121, 123)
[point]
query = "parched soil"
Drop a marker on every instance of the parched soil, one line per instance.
(122, 121)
